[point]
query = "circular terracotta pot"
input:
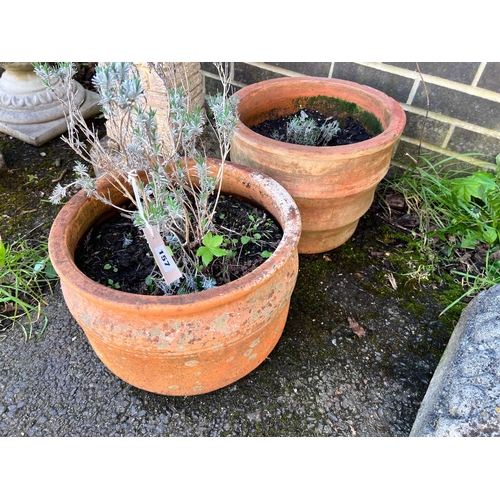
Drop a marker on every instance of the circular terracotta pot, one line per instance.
(332, 186)
(189, 344)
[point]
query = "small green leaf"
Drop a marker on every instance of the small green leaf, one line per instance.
(216, 241)
(469, 240)
(2, 253)
(489, 234)
(211, 248)
(207, 258)
(107, 266)
(50, 272)
(207, 239)
(266, 254)
(205, 254)
(219, 252)
(244, 240)
(476, 185)
(112, 284)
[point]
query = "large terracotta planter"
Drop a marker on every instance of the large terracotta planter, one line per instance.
(190, 344)
(332, 186)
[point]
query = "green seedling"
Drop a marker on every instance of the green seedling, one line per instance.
(149, 283)
(113, 284)
(211, 248)
(256, 231)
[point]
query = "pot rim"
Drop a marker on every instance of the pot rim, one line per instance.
(63, 260)
(392, 132)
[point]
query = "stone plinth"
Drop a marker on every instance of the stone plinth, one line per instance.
(32, 113)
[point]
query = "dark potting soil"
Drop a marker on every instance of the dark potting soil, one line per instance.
(104, 255)
(351, 132)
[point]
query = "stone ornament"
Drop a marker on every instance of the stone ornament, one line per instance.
(32, 113)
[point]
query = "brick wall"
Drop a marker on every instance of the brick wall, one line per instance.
(464, 99)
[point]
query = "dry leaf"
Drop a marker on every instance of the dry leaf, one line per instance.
(465, 257)
(378, 254)
(356, 327)
(395, 201)
(392, 281)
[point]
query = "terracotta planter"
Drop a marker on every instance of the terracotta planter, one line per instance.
(332, 186)
(190, 344)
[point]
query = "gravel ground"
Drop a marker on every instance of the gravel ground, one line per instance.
(322, 379)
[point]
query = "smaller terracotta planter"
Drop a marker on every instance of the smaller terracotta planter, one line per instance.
(189, 344)
(332, 186)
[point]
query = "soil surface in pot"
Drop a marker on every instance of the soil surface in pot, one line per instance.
(116, 253)
(351, 132)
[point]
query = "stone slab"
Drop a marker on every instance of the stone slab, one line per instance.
(463, 397)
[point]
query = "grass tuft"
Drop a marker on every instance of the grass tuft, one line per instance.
(458, 217)
(25, 275)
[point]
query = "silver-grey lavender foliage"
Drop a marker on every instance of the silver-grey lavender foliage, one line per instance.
(167, 198)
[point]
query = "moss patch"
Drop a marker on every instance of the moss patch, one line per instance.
(340, 109)
(27, 183)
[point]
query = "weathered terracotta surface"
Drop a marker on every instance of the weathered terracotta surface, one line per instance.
(191, 344)
(332, 186)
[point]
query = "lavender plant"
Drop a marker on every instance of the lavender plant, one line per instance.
(178, 195)
(305, 131)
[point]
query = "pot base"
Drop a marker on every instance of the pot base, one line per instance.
(323, 241)
(190, 373)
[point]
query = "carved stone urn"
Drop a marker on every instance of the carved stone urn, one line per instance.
(32, 113)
